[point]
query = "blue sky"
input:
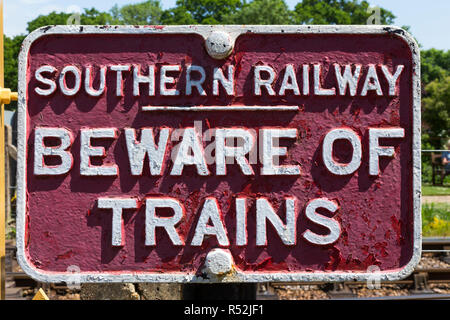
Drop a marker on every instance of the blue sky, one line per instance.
(429, 20)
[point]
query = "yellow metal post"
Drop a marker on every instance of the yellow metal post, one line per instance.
(2, 166)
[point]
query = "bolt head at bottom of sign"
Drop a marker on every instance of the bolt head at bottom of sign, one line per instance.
(219, 262)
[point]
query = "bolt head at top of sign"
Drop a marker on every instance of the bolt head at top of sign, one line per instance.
(237, 150)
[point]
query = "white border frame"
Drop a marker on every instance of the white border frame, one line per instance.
(236, 276)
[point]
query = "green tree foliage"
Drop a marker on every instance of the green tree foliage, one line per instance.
(436, 111)
(435, 65)
(177, 16)
(11, 52)
(435, 74)
(337, 12)
(147, 12)
(88, 17)
(94, 17)
(262, 12)
(210, 11)
(53, 18)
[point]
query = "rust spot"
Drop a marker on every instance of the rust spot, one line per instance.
(381, 247)
(371, 260)
(365, 249)
(387, 234)
(335, 259)
(397, 226)
(65, 255)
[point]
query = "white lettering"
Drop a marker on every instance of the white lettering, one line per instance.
(265, 211)
(264, 83)
(117, 205)
(47, 81)
(40, 151)
(152, 221)
(331, 224)
(327, 151)
(87, 151)
(210, 212)
(376, 151)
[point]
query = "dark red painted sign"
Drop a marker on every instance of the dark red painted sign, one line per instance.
(153, 154)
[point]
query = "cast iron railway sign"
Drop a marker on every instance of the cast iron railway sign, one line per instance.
(218, 154)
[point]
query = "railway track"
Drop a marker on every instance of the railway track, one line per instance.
(419, 280)
(436, 244)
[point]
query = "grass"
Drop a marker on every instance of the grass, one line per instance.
(436, 220)
(430, 190)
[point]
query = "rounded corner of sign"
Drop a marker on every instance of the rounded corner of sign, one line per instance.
(30, 269)
(407, 269)
(405, 36)
(30, 39)
(38, 33)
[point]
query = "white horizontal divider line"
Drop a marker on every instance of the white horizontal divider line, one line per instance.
(220, 108)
